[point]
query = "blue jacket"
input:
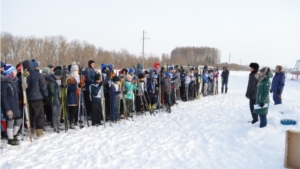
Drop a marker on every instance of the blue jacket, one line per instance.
(72, 95)
(10, 96)
(278, 83)
(151, 87)
(182, 77)
(89, 74)
(205, 78)
(114, 95)
(95, 90)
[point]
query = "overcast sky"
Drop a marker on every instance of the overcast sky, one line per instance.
(263, 31)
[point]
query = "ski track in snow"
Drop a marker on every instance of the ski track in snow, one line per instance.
(209, 133)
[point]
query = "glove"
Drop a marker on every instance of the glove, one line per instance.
(46, 100)
(10, 114)
(261, 105)
(278, 92)
(271, 91)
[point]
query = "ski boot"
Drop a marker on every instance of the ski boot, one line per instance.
(13, 142)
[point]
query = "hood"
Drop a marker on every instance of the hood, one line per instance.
(139, 66)
(27, 64)
(270, 75)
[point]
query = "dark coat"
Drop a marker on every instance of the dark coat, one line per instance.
(10, 96)
(152, 87)
(95, 88)
(54, 92)
(225, 75)
(252, 85)
(262, 96)
(37, 88)
(278, 83)
(205, 78)
(72, 95)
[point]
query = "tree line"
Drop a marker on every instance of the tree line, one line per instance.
(57, 50)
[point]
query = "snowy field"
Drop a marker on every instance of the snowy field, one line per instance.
(209, 133)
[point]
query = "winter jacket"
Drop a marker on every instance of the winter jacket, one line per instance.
(96, 92)
(10, 96)
(278, 83)
(89, 74)
(139, 69)
(252, 85)
(114, 94)
(205, 78)
(72, 95)
(225, 75)
(188, 80)
(178, 81)
(262, 96)
(129, 87)
(37, 88)
(54, 92)
(182, 78)
(167, 85)
(151, 87)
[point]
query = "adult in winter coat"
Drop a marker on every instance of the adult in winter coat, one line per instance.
(278, 85)
(225, 78)
(54, 88)
(3, 121)
(139, 69)
(10, 103)
(36, 93)
(252, 90)
(89, 74)
(262, 96)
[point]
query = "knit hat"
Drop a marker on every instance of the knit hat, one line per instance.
(58, 73)
(97, 77)
(167, 74)
(254, 66)
(9, 69)
(141, 76)
(146, 72)
(35, 63)
(74, 67)
(46, 70)
(131, 70)
(110, 66)
(103, 67)
(50, 66)
(116, 79)
(2, 64)
(279, 68)
(171, 68)
(90, 62)
(155, 65)
(128, 77)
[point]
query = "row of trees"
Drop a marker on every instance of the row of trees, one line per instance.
(57, 50)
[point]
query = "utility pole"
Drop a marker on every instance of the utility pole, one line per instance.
(229, 57)
(143, 54)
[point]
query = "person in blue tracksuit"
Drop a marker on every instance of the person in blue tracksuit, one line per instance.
(278, 85)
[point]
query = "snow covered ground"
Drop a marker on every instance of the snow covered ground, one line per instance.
(209, 133)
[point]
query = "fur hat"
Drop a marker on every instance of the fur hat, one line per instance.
(46, 70)
(97, 77)
(128, 77)
(254, 66)
(116, 79)
(279, 68)
(74, 67)
(9, 69)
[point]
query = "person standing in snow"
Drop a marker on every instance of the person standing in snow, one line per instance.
(205, 81)
(225, 77)
(252, 90)
(96, 97)
(262, 96)
(278, 85)
(89, 74)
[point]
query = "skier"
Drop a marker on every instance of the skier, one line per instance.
(205, 81)
(129, 96)
(47, 106)
(167, 91)
(96, 95)
(252, 90)
(182, 88)
(192, 85)
(73, 94)
(225, 77)
(178, 82)
(54, 89)
(278, 83)
(262, 96)
(89, 74)
(152, 88)
(36, 93)
(10, 103)
(106, 75)
(114, 98)
(216, 78)
(187, 84)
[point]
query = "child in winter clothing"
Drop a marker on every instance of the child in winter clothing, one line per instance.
(167, 90)
(188, 80)
(10, 103)
(54, 88)
(129, 96)
(205, 81)
(152, 88)
(114, 98)
(73, 95)
(191, 85)
(96, 96)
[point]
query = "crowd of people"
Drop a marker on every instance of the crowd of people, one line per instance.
(78, 96)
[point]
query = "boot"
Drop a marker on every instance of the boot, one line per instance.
(72, 126)
(222, 90)
(39, 133)
(13, 142)
(56, 130)
(225, 91)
